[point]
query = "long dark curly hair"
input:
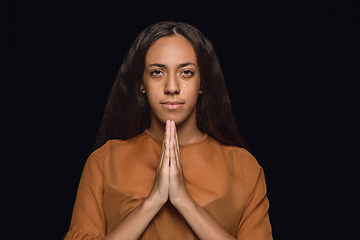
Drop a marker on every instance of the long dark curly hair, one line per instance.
(127, 111)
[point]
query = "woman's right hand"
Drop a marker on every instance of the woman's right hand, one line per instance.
(135, 223)
(160, 191)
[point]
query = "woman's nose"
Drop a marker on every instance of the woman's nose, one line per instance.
(172, 85)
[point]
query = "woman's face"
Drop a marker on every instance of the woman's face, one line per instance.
(171, 80)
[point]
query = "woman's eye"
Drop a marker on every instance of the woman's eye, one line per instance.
(156, 72)
(188, 73)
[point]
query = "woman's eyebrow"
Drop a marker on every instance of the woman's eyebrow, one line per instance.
(156, 65)
(186, 64)
(164, 66)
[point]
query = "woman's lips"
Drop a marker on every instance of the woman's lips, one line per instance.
(172, 105)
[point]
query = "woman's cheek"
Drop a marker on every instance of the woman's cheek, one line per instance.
(185, 88)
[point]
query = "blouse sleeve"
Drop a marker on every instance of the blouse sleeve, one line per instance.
(88, 219)
(255, 223)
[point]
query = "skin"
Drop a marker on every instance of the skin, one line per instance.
(171, 77)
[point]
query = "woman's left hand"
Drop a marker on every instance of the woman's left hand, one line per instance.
(177, 188)
(204, 226)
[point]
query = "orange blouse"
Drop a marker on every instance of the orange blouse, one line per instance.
(225, 180)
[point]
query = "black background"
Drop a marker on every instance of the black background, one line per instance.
(291, 69)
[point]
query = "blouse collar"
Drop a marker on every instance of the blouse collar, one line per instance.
(203, 138)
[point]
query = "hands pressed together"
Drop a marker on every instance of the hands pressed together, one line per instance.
(169, 180)
(169, 185)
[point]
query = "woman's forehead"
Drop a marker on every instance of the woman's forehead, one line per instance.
(171, 50)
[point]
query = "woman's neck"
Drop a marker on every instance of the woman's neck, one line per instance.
(187, 133)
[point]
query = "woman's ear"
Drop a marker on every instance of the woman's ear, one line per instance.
(142, 88)
(201, 90)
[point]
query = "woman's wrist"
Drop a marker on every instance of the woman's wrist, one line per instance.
(184, 204)
(153, 201)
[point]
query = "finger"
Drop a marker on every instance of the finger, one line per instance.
(177, 151)
(172, 145)
(163, 149)
(167, 143)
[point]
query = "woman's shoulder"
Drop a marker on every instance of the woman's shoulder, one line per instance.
(119, 143)
(112, 149)
(246, 166)
(239, 154)
(244, 163)
(244, 156)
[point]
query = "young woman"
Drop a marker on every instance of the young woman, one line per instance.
(170, 162)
